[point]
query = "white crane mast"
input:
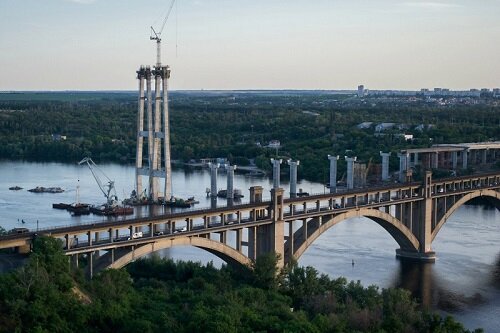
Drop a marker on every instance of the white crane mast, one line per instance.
(157, 35)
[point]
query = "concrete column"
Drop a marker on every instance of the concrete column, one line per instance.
(277, 236)
(276, 172)
(435, 160)
(166, 131)
(333, 173)
(156, 135)
(150, 132)
(415, 159)
(350, 171)
(90, 258)
(385, 166)
(230, 181)
(213, 179)
(484, 156)
(140, 131)
(256, 194)
(403, 166)
(293, 177)
(239, 239)
(464, 158)
(454, 159)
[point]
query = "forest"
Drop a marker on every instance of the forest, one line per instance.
(159, 295)
(67, 126)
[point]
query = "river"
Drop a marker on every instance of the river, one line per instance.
(464, 281)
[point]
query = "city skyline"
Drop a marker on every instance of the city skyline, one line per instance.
(98, 45)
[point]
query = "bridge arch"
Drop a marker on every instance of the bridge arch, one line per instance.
(401, 234)
(223, 251)
(490, 194)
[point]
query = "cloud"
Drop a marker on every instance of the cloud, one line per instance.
(431, 5)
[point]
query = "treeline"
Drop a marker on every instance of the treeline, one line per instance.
(158, 295)
(309, 127)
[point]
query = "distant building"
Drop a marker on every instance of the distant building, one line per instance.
(407, 137)
(365, 125)
(274, 144)
(58, 137)
(423, 127)
(384, 126)
(361, 90)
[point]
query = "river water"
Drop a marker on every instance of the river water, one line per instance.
(464, 281)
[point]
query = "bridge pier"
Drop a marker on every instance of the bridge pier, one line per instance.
(424, 231)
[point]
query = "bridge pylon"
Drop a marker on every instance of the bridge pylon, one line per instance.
(424, 211)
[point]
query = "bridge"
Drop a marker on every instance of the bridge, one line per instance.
(412, 213)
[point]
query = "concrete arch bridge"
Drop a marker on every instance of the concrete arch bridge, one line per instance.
(412, 213)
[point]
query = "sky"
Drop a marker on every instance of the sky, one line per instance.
(258, 44)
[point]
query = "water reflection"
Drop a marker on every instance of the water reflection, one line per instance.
(432, 291)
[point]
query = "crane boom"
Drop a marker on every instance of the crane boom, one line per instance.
(157, 35)
(107, 189)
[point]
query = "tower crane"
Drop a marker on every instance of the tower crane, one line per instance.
(107, 189)
(157, 35)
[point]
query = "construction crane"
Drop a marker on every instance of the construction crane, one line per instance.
(157, 35)
(107, 189)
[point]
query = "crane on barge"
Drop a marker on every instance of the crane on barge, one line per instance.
(107, 189)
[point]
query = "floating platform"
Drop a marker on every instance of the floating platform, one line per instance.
(237, 194)
(41, 189)
(111, 211)
(181, 203)
(15, 188)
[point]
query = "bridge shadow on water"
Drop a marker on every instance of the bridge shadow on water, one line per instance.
(436, 292)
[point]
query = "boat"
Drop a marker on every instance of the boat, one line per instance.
(15, 188)
(60, 205)
(79, 209)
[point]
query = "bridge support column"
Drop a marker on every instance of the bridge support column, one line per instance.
(350, 172)
(465, 152)
(333, 173)
(276, 172)
(277, 236)
(239, 238)
(424, 234)
(385, 166)
(75, 260)
(293, 177)
(454, 159)
(403, 166)
(252, 243)
(213, 179)
(90, 260)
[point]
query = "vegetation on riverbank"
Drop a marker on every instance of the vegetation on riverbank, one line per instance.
(235, 125)
(158, 295)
